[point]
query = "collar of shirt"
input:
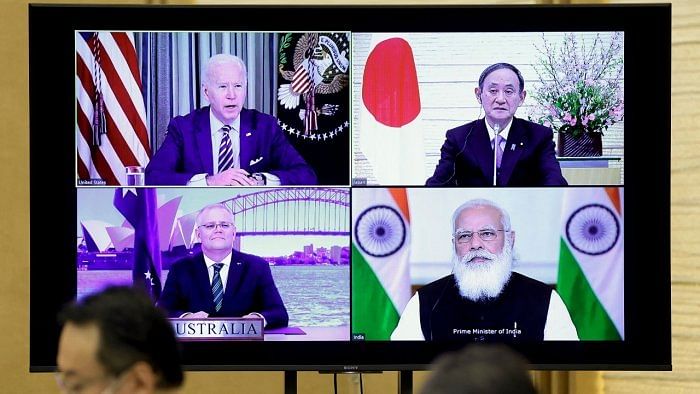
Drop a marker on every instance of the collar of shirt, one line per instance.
(224, 270)
(215, 126)
(504, 132)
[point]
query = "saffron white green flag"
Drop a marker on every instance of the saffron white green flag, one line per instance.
(381, 284)
(591, 261)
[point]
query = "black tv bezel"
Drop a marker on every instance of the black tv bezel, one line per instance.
(647, 28)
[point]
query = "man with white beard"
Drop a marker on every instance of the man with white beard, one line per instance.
(483, 299)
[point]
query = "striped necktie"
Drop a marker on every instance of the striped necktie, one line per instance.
(217, 287)
(225, 150)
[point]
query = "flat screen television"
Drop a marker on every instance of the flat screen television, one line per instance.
(320, 241)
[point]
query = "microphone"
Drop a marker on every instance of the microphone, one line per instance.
(496, 129)
(464, 146)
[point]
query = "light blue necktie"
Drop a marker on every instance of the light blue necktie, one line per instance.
(499, 150)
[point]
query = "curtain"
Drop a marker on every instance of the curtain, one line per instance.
(171, 66)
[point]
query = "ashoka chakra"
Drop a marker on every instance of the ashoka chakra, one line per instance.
(380, 231)
(593, 229)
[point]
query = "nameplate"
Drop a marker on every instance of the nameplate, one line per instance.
(218, 329)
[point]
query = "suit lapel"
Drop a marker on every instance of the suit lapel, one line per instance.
(246, 138)
(481, 149)
(201, 279)
(513, 150)
(235, 273)
(204, 141)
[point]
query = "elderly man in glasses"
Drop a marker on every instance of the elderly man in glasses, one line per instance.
(221, 281)
(520, 151)
(483, 299)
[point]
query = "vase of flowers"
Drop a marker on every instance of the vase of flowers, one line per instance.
(579, 94)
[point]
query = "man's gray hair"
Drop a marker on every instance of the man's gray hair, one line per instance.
(481, 202)
(209, 208)
(223, 58)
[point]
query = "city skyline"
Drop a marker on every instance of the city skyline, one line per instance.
(97, 205)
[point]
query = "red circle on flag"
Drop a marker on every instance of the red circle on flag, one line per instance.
(390, 84)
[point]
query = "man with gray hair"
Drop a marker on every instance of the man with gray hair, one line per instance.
(483, 299)
(520, 152)
(221, 281)
(225, 144)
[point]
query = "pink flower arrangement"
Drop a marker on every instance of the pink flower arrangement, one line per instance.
(580, 89)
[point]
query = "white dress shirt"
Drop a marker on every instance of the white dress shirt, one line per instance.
(558, 327)
(215, 126)
(504, 133)
(223, 272)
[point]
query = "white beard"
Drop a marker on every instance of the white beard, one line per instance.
(483, 280)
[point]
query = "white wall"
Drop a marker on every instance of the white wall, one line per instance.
(535, 217)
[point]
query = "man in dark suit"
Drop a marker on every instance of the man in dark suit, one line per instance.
(220, 281)
(224, 144)
(483, 299)
(524, 152)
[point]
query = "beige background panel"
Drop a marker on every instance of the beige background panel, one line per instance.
(685, 216)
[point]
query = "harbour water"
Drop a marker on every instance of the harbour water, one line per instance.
(314, 295)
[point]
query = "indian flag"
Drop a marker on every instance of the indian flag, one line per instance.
(591, 262)
(381, 284)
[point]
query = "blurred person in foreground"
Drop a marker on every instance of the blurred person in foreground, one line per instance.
(117, 341)
(480, 368)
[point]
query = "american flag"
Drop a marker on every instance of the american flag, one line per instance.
(111, 131)
(301, 82)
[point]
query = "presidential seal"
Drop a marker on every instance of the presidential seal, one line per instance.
(313, 93)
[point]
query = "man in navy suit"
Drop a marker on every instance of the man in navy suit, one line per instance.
(249, 289)
(224, 144)
(527, 155)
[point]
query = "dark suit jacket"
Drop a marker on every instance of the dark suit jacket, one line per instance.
(466, 157)
(249, 288)
(187, 150)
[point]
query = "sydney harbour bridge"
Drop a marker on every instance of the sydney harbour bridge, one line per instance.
(292, 211)
(281, 211)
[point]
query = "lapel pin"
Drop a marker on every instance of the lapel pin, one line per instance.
(512, 146)
(248, 134)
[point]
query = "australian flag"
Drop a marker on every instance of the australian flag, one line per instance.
(140, 207)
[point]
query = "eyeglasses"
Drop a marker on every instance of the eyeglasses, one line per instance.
(82, 386)
(464, 237)
(213, 225)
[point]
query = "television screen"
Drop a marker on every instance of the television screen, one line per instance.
(385, 188)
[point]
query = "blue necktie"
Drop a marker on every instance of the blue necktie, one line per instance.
(217, 287)
(225, 150)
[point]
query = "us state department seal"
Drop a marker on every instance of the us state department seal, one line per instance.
(380, 231)
(593, 229)
(313, 94)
